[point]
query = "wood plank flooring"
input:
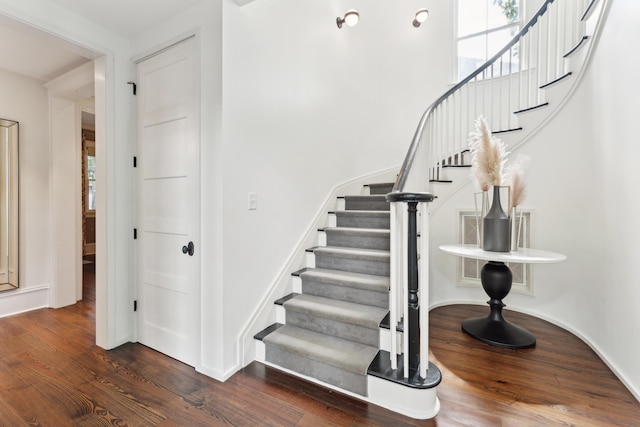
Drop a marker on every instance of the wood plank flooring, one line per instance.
(52, 374)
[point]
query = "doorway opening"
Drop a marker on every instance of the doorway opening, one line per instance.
(88, 147)
(73, 78)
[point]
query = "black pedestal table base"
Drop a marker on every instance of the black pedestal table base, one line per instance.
(494, 329)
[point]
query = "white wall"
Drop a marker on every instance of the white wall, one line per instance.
(65, 207)
(25, 100)
(582, 186)
(615, 321)
(306, 107)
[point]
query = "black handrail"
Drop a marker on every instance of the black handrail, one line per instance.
(413, 148)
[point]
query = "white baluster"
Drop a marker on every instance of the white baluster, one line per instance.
(393, 285)
(405, 290)
(549, 44)
(509, 93)
(423, 288)
(539, 65)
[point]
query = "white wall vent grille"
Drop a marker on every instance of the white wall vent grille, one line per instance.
(469, 269)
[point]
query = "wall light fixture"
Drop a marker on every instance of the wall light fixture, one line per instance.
(351, 18)
(421, 16)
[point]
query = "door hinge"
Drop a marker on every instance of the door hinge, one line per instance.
(135, 233)
(135, 162)
(135, 87)
(135, 305)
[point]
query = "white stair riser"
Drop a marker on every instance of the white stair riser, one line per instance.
(322, 238)
(260, 351)
(332, 220)
(530, 120)
(454, 174)
(385, 340)
(297, 285)
(311, 260)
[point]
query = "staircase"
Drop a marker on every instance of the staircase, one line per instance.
(332, 326)
(518, 90)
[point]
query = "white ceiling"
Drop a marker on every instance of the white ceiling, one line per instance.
(126, 17)
(26, 50)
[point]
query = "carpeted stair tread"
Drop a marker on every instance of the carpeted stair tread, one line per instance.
(372, 197)
(357, 260)
(370, 202)
(358, 287)
(343, 354)
(365, 238)
(337, 310)
(354, 253)
(348, 279)
(354, 231)
(364, 212)
(381, 187)
(363, 218)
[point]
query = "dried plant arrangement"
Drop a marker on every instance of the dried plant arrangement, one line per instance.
(488, 160)
(518, 190)
(517, 182)
(488, 156)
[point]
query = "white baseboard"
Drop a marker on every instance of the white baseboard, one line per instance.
(216, 374)
(22, 300)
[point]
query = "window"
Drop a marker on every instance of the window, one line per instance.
(484, 27)
(469, 269)
(89, 176)
(91, 184)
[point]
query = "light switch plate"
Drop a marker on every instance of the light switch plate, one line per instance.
(253, 201)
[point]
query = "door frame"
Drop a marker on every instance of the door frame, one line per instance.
(114, 271)
(113, 319)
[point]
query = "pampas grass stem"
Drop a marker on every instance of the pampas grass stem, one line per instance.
(488, 156)
(518, 184)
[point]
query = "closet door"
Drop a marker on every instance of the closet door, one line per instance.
(169, 204)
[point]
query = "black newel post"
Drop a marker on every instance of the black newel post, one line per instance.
(412, 299)
(412, 322)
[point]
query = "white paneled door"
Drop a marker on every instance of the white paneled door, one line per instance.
(169, 203)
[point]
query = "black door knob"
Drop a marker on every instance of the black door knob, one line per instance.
(188, 249)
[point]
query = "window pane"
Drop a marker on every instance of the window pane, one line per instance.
(501, 13)
(498, 39)
(472, 16)
(478, 40)
(91, 177)
(471, 55)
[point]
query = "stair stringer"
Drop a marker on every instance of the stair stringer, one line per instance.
(265, 313)
(557, 100)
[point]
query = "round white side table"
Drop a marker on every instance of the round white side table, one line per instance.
(496, 280)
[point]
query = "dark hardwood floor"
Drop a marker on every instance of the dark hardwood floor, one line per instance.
(52, 374)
